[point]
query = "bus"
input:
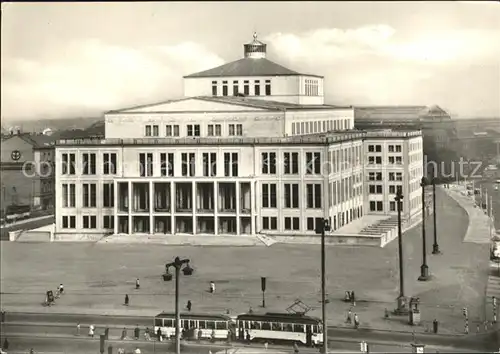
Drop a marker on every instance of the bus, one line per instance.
(280, 327)
(211, 326)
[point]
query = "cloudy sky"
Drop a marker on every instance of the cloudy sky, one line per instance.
(79, 59)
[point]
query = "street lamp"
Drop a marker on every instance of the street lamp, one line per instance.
(187, 270)
(401, 309)
(424, 269)
(435, 246)
(321, 228)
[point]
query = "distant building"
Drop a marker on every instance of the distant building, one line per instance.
(27, 171)
(251, 149)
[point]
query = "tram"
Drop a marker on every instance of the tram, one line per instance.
(211, 326)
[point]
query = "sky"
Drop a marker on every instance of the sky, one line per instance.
(80, 59)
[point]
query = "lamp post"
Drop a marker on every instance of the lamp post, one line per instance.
(321, 228)
(424, 269)
(435, 246)
(401, 309)
(177, 264)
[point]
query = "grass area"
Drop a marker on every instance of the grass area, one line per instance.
(99, 275)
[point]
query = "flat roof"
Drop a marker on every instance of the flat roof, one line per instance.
(311, 139)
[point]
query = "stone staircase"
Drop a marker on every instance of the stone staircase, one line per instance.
(186, 240)
(381, 228)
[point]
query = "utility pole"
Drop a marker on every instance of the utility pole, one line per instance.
(424, 268)
(402, 308)
(435, 246)
(321, 229)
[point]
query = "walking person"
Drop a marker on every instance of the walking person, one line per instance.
(124, 333)
(137, 332)
(61, 289)
(91, 330)
(188, 305)
(349, 317)
(137, 284)
(353, 298)
(78, 329)
(356, 321)
(212, 287)
(265, 345)
(158, 335)
(126, 300)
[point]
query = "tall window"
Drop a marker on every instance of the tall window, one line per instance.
(69, 222)
(235, 129)
(214, 88)
(291, 163)
(167, 164)
(268, 163)
(209, 164)
(269, 195)
(313, 196)
(268, 87)
(108, 222)
(193, 130)
(313, 163)
(224, 88)
(269, 223)
(257, 87)
(188, 164)
(68, 164)
(89, 195)
(312, 222)
(231, 164)
(246, 87)
(89, 164)
(89, 222)
(146, 164)
(292, 224)
(152, 130)
(235, 87)
(172, 130)
(214, 130)
(291, 195)
(108, 195)
(109, 163)
(69, 195)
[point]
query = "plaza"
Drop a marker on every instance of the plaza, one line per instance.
(97, 277)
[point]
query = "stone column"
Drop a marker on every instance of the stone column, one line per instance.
(193, 204)
(151, 207)
(216, 208)
(130, 201)
(238, 190)
(172, 208)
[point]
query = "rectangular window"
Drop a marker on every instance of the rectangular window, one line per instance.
(269, 163)
(193, 130)
(188, 164)
(235, 129)
(209, 164)
(391, 148)
(156, 130)
(69, 195)
(269, 223)
(109, 163)
(292, 224)
(89, 195)
(167, 164)
(224, 88)
(398, 148)
(378, 148)
(69, 222)
(313, 163)
(235, 87)
(146, 164)
(172, 130)
(269, 195)
(148, 131)
(214, 130)
(246, 87)
(108, 195)
(214, 88)
(89, 222)
(291, 195)
(291, 163)
(108, 222)
(257, 87)
(392, 206)
(268, 87)
(89, 164)
(312, 223)
(313, 192)
(230, 164)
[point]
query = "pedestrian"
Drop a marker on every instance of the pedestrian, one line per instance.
(3, 316)
(78, 329)
(466, 329)
(146, 335)
(188, 306)
(5, 344)
(200, 334)
(353, 298)
(295, 347)
(137, 332)
(495, 317)
(126, 300)
(32, 351)
(248, 338)
(212, 335)
(61, 289)
(91, 331)
(121, 351)
(356, 321)
(158, 334)
(212, 287)
(386, 313)
(124, 333)
(250, 310)
(137, 284)
(265, 345)
(137, 350)
(349, 317)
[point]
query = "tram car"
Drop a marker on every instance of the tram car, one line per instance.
(211, 326)
(280, 327)
(15, 213)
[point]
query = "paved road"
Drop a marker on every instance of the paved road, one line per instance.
(31, 224)
(87, 345)
(65, 325)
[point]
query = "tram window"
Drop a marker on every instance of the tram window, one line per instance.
(202, 325)
(315, 329)
(192, 324)
(298, 328)
(266, 326)
(287, 327)
(158, 322)
(210, 325)
(254, 325)
(169, 323)
(276, 326)
(220, 325)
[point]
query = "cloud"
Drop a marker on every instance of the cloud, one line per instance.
(378, 65)
(89, 76)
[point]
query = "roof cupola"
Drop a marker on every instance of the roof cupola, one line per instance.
(255, 49)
